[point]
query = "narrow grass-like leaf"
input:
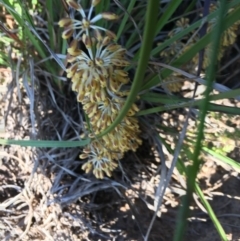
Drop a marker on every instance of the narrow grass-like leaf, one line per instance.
(151, 18)
(162, 98)
(194, 168)
(224, 159)
(197, 104)
(3, 59)
(125, 18)
(190, 6)
(50, 20)
(211, 213)
(173, 102)
(171, 8)
(36, 143)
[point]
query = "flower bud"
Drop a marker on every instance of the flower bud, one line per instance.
(65, 22)
(109, 16)
(73, 4)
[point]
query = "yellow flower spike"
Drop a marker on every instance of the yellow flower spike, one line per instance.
(73, 4)
(92, 72)
(109, 16)
(65, 22)
(67, 33)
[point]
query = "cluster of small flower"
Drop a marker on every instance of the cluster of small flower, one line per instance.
(97, 74)
(175, 81)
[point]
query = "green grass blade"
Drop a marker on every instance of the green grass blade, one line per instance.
(174, 102)
(38, 143)
(197, 104)
(4, 59)
(50, 20)
(211, 213)
(161, 98)
(172, 6)
(194, 168)
(151, 18)
(125, 18)
(224, 159)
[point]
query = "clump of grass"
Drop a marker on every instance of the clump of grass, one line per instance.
(109, 78)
